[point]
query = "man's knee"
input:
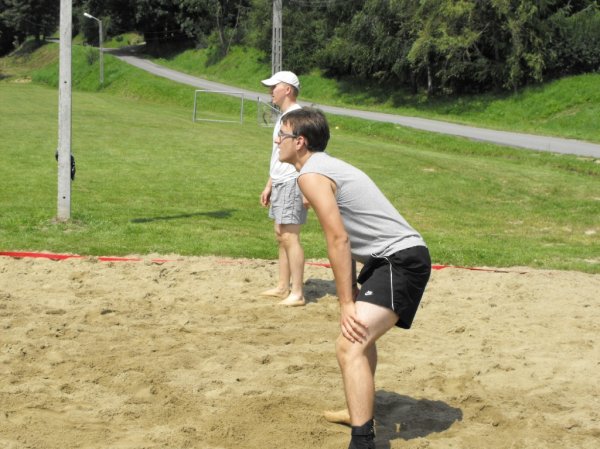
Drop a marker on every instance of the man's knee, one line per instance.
(289, 235)
(346, 350)
(340, 350)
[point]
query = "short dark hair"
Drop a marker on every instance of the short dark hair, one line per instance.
(311, 124)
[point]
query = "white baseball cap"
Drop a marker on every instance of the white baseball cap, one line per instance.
(282, 77)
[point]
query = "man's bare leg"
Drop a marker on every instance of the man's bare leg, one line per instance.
(290, 239)
(283, 285)
(343, 416)
(358, 361)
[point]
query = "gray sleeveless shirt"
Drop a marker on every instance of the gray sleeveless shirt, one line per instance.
(374, 226)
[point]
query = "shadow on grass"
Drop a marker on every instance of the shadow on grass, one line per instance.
(225, 213)
(28, 47)
(399, 416)
(128, 50)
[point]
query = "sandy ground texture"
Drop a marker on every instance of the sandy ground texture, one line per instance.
(185, 354)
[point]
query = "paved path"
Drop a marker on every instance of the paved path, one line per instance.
(520, 140)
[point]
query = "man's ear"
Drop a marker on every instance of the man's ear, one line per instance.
(302, 142)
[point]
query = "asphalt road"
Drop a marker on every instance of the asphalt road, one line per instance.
(519, 140)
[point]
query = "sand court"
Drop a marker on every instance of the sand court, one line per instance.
(184, 353)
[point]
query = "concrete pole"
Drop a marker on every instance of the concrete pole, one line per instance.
(277, 45)
(64, 113)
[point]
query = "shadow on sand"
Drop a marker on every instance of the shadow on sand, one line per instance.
(399, 416)
(315, 289)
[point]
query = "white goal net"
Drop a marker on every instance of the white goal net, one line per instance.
(267, 113)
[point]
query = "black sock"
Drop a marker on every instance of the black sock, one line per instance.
(363, 437)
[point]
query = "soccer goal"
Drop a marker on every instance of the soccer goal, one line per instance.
(210, 107)
(267, 113)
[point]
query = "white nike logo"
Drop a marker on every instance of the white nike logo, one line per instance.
(369, 293)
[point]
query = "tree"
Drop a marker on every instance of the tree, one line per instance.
(440, 46)
(7, 38)
(227, 15)
(194, 18)
(372, 42)
(37, 18)
(576, 42)
(156, 20)
(118, 16)
(308, 28)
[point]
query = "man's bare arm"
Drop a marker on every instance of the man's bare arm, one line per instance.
(320, 191)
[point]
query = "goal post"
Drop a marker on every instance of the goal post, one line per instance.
(267, 113)
(208, 115)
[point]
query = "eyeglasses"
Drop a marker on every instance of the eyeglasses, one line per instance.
(282, 136)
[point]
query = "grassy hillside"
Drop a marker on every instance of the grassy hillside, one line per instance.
(569, 107)
(151, 181)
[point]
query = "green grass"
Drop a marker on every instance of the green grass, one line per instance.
(569, 107)
(243, 67)
(123, 40)
(147, 178)
(151, 181)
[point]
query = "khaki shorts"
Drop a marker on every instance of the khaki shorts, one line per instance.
(286, 204)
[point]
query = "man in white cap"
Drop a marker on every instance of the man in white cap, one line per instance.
(287, 207)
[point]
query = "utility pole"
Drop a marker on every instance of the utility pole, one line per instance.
(64, 113)
(276, 46)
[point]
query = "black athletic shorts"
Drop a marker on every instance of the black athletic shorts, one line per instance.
(396, 282)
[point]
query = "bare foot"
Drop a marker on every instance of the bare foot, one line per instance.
(337, 416)
(293, 301)
(275, 293)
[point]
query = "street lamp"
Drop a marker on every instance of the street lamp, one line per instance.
(89, 16)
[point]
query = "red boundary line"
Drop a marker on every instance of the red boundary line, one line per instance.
(52, 256)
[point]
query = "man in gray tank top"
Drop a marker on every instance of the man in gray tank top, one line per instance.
(360, 224)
